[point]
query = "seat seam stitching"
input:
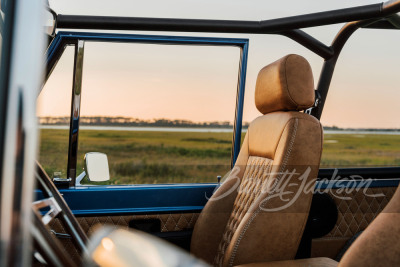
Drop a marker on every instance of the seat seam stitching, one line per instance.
(235, 248)
(287, 84)
(291, 119)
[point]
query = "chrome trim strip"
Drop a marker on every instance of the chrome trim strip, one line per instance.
(55, 209)
(75, 112)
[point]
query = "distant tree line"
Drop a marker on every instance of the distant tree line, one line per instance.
(335, 128)
(135, 122)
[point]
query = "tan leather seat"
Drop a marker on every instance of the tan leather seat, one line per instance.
(378, 245)
(260, 211)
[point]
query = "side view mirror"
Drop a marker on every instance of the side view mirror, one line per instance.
(96, 168)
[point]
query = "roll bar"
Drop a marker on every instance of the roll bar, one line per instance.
(379, 10)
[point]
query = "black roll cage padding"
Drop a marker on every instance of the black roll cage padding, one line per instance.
(368, 16)
(374, 11)
(328, 67)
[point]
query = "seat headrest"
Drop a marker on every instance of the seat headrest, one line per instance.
(286, 84)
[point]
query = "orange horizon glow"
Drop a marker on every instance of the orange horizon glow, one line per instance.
(198, 83)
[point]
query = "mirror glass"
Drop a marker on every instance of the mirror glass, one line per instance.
(96, 166)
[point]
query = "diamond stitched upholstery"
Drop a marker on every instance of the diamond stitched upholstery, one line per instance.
(256, 173)
(358, 211)
(169, 222)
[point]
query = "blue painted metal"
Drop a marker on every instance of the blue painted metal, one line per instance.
(167, 198)
(71, 37)
(240, 101)
(136, 199)
(53, 48)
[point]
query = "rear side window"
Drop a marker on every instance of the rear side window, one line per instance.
(361, 113)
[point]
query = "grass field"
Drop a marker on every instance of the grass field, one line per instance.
(173, 157)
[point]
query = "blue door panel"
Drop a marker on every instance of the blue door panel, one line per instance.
(136, 199)
(140, 199)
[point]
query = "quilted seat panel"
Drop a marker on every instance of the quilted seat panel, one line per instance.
(357, 208)
(257, 171)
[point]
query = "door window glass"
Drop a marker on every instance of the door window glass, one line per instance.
(161, 113)
(53, 112)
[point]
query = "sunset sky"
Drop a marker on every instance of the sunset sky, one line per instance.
(199, 82)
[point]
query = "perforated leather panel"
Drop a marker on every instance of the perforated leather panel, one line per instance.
(257, 171)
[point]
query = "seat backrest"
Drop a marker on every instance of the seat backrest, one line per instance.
(379, 244)
(260, 211)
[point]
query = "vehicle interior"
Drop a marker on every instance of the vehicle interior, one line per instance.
(279, 203)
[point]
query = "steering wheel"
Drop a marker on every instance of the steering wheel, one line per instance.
(46, 243)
